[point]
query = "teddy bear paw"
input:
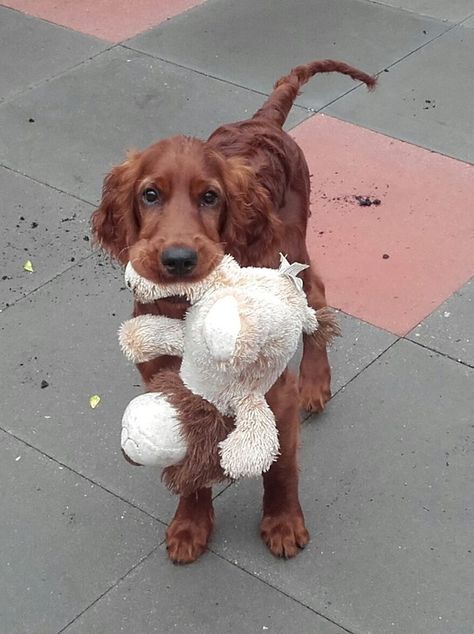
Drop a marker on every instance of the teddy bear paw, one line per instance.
(241, 458)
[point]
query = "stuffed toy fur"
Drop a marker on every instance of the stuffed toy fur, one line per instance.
(241, 330)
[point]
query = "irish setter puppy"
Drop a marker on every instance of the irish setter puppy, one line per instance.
(174, 209)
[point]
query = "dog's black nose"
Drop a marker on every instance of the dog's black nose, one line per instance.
(179, 261)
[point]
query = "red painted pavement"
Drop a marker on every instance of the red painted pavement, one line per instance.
(424, 223)
(112, 20)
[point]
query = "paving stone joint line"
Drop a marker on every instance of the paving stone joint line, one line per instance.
(56, 189)
(439, 352)
(46, 282)
(33, 17)
(343, 387)
(280, 591)
(418, 13)
(387, 69)
(296, 105)
(222, 558)
(81, 475)
(114, 585)
(45, 80)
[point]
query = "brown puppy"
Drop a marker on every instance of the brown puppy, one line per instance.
(173, 210)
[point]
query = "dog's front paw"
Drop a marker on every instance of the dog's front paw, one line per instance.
(284, 534)
(315, 390)
(186, 539)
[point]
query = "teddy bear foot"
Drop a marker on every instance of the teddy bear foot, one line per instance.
(151, 431)
(242, 459)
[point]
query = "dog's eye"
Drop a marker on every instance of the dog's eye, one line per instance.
(209, 199)
(151, 196)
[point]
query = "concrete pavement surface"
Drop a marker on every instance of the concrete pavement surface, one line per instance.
(387, 471)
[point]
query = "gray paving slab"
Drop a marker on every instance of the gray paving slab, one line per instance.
(87, 118)
(358, 346)
(469, 23)
(33, 50)
(254, 43)
(425, 99)
(454, 11)
(386, 483)
(65, 334)
(42, 225)
(450, 328)
(209, 596)
(64, 541)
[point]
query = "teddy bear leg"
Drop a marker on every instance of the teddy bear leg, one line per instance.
(282, 527)
(252, 446)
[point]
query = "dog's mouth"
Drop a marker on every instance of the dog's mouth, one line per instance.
(179, 292)
(175, 299)
(183, 292)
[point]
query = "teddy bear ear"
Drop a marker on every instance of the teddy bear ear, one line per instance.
(115, 224)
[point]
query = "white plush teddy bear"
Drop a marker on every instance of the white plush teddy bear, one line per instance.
(241, 330)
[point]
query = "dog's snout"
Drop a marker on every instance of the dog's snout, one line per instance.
(179, 261)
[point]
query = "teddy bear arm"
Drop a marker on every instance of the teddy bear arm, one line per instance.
(146, 337)
(252, 446)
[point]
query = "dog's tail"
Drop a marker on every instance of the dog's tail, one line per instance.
(286, 89)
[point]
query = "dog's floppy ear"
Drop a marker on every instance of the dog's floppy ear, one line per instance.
(115, 222)
(250, 220)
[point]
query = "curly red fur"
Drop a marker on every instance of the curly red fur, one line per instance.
(115, 223)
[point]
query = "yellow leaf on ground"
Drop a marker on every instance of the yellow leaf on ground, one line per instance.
(94, 400)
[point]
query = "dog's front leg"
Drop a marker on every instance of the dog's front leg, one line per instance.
(189, 532)
(282, 528)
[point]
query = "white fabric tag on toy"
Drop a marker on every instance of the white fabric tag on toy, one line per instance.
(292, 270)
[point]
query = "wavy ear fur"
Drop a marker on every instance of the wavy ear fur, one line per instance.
(114, 223)
(250, 222)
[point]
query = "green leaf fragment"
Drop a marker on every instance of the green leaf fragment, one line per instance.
(94, 400)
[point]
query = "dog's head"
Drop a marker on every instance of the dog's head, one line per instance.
(175, 208)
